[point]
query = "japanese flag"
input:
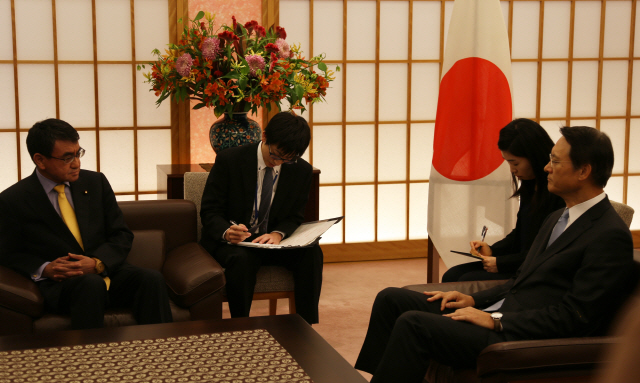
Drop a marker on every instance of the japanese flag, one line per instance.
(470, 185)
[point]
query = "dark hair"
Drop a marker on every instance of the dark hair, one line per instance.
(526, 138)
(290, 133)
(43, 135)
(590, 146)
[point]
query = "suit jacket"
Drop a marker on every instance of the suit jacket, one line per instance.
(32, 232)
(572, 288)
(230, 193)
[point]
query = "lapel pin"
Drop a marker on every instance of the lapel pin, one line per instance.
(86, 192)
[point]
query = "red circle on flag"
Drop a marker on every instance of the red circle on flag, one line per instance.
(473, 105)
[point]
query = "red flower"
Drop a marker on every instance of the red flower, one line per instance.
(235, 23)
(271, 47)
(229, 36)
(274, 59)
(217, 73)
(281, 33)
(250, 26)
(202, 25)
(260, 31)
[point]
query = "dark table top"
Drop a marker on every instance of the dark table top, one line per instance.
(319, 360)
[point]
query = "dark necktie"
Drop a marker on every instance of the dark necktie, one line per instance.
(560, 226)
(265, 200)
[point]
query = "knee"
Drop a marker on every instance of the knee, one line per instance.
(387, 297)
(91, 285)
(150, 277)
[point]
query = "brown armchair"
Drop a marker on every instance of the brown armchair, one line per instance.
(165, 240)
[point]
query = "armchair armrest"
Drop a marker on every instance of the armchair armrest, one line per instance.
(192, 274)
(546, 356)
(469, 287)
(20, 294)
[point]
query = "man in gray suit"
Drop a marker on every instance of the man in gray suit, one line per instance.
(574, 278)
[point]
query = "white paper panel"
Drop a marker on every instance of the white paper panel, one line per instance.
(147, 197)
(636, 40)
(392, 99)
(327, 40)
(6, 33)
(154, 148)
(392, 152)
(392, 212)
(36, 93)
(555, 41)
(553, 102)
(617, 29)
(113, 29)
(360, 153)
(448, 10)
(526, 20)
(615, 129)
(88, 142)
(361, 30)
(633, 199)
(426, 30)
(151, 33)
(7, 98)
(584, 88)
(34, 30)
(525, 88)
(294, 15)
(327, 152)
(26, 165)
(74, 24)
(149, 114)
(425, 84)
(361, 80)
(418, 208)
(115, 95)
(394, 30)
(126, 197)
(553, 128)
(9, 160)
(421, 152)
(77, 94)
(634, 144)
(635, 90)
(359, 214)
(330, 207)
(116, 159)
(330, 110)
(614, 88)
(614, 189)
(586, 31)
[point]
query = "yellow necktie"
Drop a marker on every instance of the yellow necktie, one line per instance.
(69, 218)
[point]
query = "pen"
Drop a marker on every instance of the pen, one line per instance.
(234, 223)
(484, 232)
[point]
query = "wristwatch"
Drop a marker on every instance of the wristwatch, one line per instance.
(497, 325)
(99, 266)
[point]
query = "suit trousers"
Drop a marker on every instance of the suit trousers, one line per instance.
(241, 267)
(85, 298)
(406, 332)
(472, 271)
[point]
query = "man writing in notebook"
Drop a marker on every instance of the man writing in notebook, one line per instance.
(258, 192)
(62, 227)
(571, 283)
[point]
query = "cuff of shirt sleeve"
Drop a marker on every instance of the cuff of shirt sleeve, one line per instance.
(37, 275)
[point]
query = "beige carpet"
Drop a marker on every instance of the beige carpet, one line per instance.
(348, 291)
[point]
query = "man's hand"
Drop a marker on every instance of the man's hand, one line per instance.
(70, 266)
(473, 316)
(270, 239)
(490, 265)
(480, 248)
(237, 233)
(451, 299)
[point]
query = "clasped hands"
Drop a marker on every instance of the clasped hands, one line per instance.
(69, 266)
(464, 305)
(483, 250)
(238, 233)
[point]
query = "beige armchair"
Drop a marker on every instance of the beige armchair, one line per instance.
(272, 282)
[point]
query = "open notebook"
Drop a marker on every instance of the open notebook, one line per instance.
(305, 235)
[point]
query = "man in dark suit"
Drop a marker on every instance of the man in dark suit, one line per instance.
(264, 186)
(573, 279)
(62, 227)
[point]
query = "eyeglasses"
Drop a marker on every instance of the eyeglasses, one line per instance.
(276, 158)
(69, 159)
(554, 162)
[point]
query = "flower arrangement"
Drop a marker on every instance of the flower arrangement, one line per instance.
(237, 68)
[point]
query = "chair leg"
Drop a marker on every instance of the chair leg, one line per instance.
(292, 304)
(273, 305)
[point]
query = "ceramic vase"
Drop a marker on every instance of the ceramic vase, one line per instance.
(227, 132)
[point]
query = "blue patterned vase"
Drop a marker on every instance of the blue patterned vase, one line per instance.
(227, 133)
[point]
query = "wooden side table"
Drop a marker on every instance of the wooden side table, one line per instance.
(171, 186)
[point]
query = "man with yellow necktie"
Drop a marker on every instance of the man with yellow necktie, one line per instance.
(63, 228)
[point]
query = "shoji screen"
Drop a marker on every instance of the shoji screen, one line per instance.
(76, 60)
(573, 63)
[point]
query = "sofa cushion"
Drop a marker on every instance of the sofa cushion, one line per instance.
(148, 249)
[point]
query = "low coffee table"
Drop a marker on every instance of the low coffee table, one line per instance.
(316, 357)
